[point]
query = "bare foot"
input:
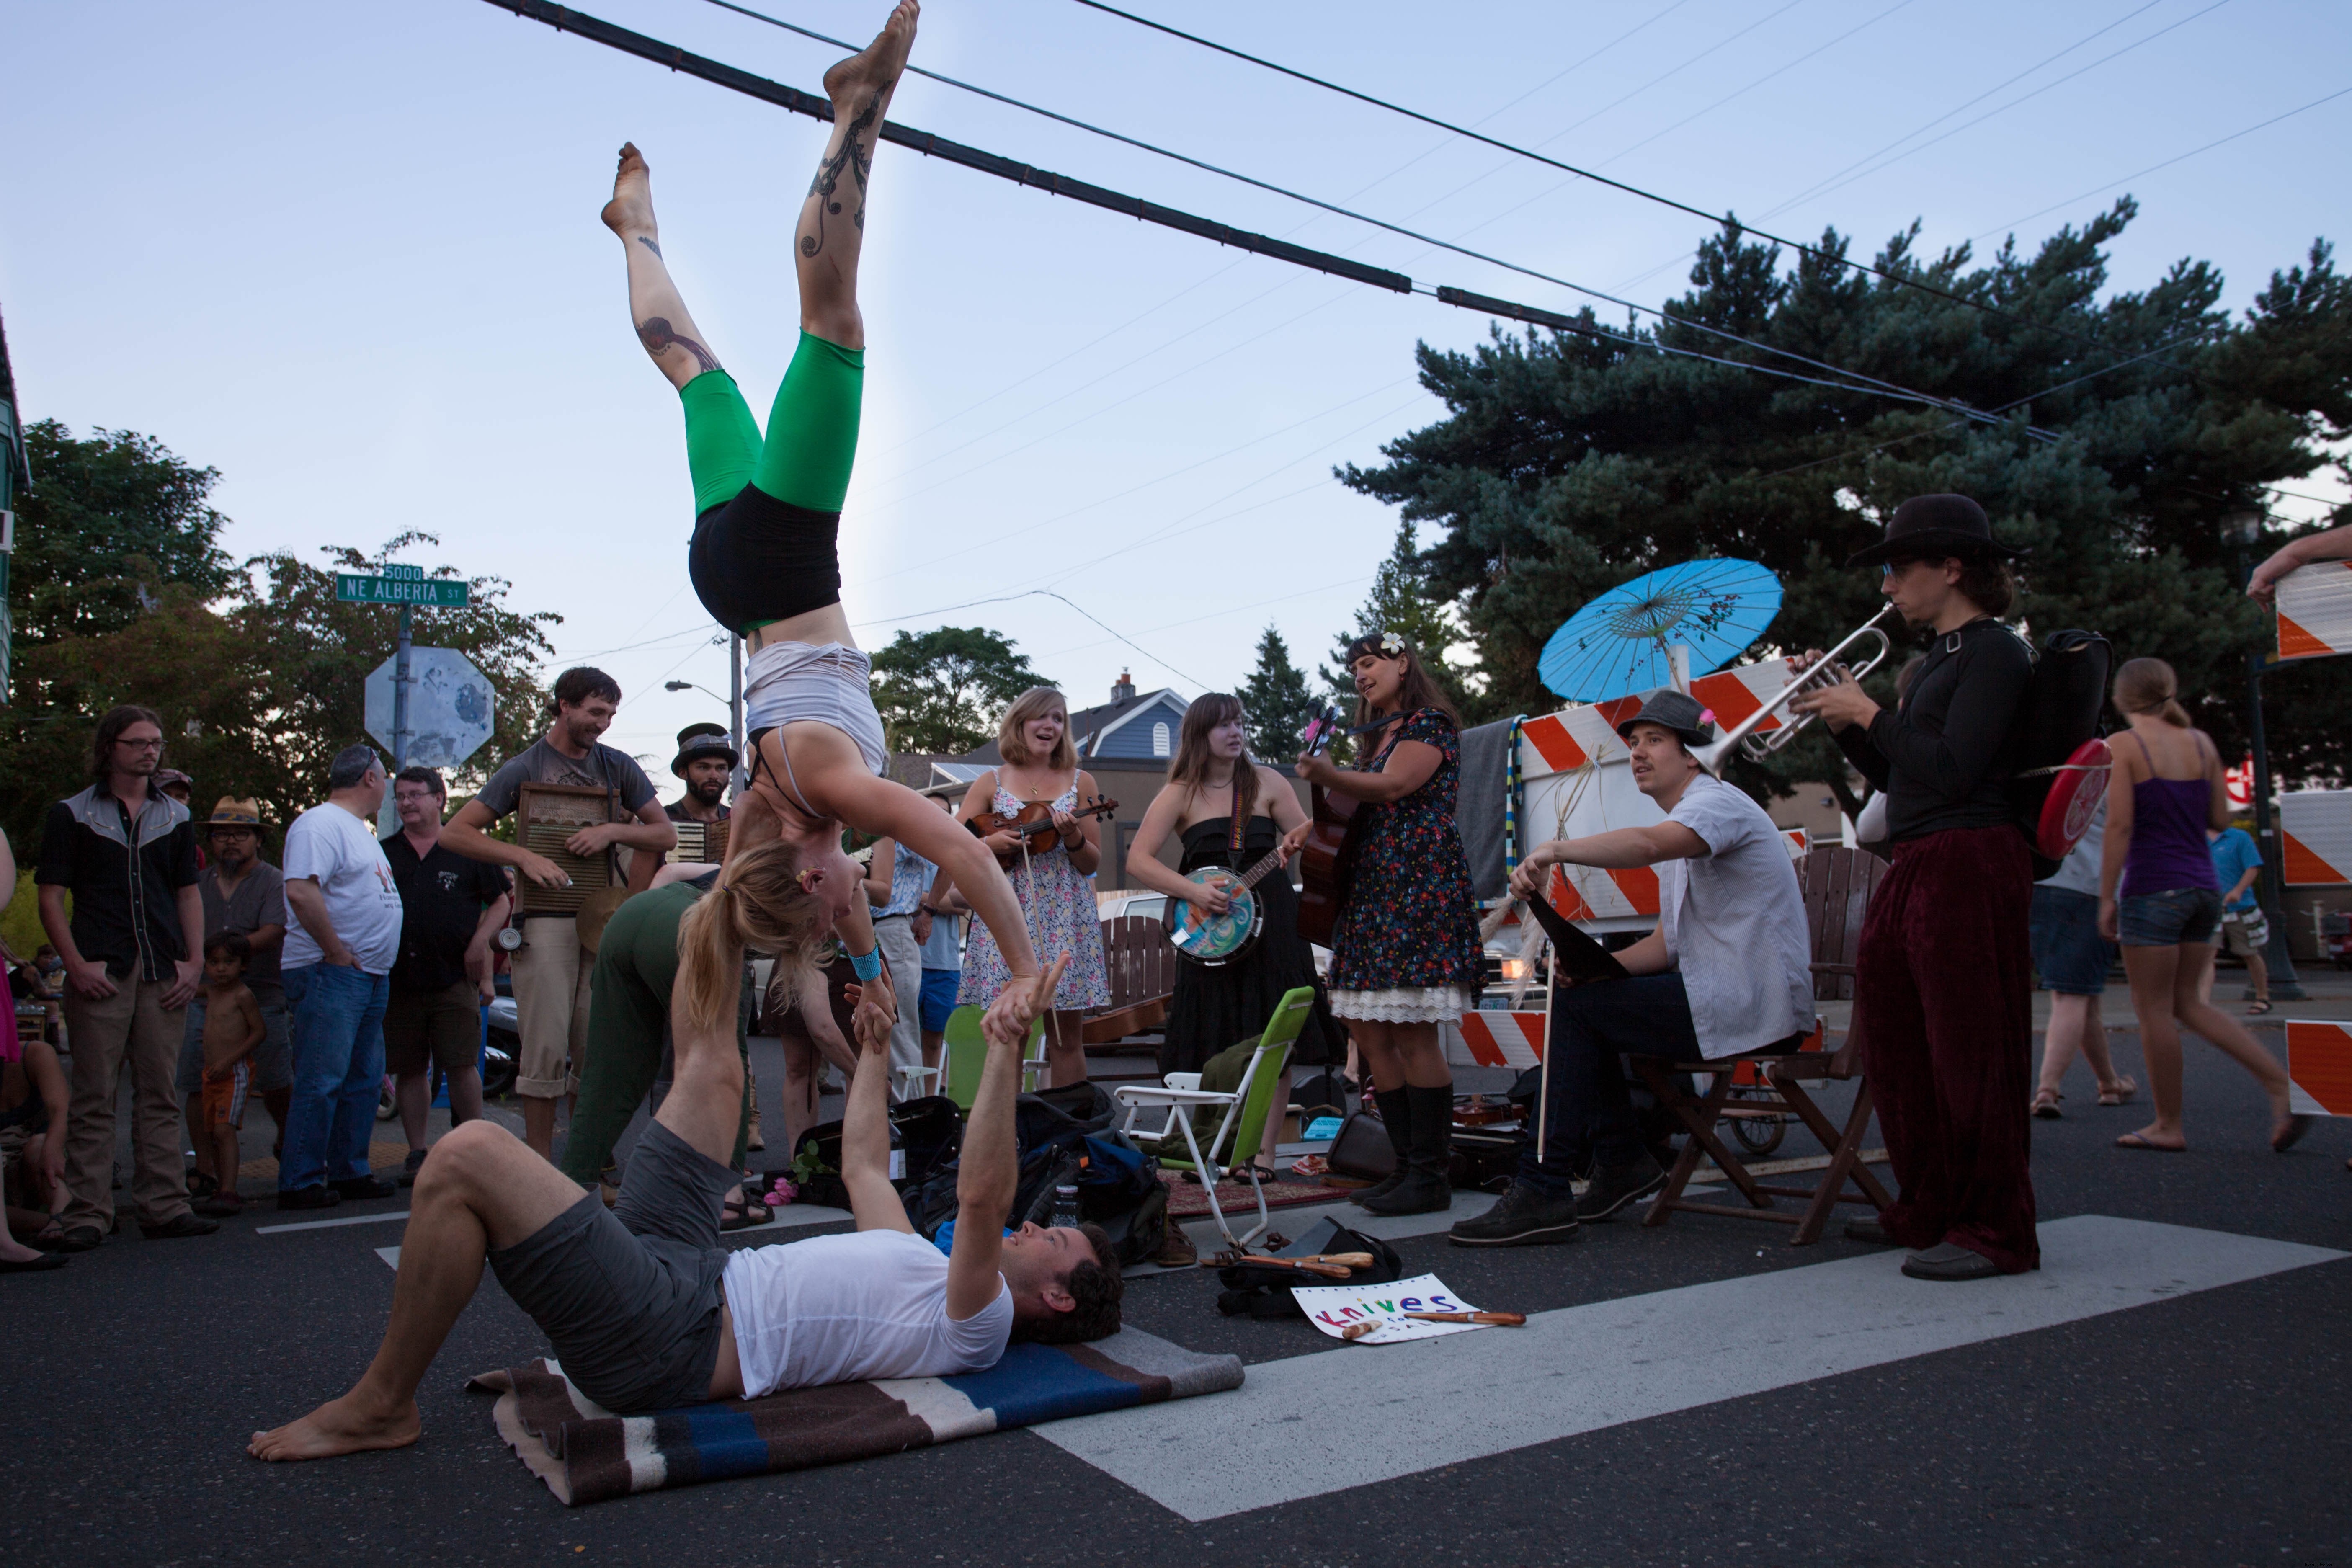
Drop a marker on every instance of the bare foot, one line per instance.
(631, 210)
(339, 1426)
(2154, 1136)
(875, 67)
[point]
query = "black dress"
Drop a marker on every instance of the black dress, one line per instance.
(1215, 1008)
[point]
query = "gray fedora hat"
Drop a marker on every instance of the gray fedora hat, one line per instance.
(1675, 710)
(705, 739)
(1933, 528)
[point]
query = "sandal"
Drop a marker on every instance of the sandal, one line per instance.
(740, 1213)
(2134, 1141)
(2046, 1105)
(2258, 1006)
(1258, 1168)
(2118, 1092)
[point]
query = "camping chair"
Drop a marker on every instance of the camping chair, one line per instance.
(1242, 1129)
(1838, 883)
(967, 1048)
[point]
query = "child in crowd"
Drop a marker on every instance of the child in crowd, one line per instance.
(233, 1028)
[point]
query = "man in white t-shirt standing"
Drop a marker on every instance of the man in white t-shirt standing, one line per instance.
(337, 973)
(646, 1311)
(1728, 972)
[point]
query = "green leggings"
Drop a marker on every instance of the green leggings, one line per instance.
(811, 438)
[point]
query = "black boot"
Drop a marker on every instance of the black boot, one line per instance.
(1424, 1189)
(1396, 1121)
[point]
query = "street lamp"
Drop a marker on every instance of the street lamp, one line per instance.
(692, 686)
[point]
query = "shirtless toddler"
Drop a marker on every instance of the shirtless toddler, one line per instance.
(233, 1028)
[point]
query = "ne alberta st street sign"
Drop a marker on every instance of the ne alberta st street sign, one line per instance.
(399, 586)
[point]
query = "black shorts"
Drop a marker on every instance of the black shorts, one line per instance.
(757, 560)
(630, 1297)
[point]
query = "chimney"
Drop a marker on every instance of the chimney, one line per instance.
(1124, 689)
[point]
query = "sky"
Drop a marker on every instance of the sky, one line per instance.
(347, 255)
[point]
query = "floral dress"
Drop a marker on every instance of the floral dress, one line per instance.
(1406, 949)
(1059, 907)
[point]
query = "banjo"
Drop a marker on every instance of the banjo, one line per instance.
(1212, 939)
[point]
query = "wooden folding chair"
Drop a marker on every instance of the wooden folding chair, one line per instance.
(1140, 967)
(1837, 885)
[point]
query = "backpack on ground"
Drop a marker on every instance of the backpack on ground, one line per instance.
(1255, 1290)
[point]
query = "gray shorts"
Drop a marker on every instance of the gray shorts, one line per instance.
(629, 1297)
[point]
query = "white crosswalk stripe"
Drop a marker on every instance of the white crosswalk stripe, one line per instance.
(1439, 1402)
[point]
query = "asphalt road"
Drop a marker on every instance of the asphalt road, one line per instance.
(2210, 1427)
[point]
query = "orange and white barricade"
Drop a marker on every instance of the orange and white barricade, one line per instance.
(2319, 1063)
(2316, 836)
(2314, 610)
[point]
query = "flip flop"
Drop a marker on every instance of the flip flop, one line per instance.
(2291, 1134)
(2134, 1141)
(2121, 1094)
(741, 1214)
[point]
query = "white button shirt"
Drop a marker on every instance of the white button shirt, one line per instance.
(1735, 924)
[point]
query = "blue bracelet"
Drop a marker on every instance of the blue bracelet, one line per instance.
(868, 964)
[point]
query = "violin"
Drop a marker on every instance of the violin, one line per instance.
(1033, 824)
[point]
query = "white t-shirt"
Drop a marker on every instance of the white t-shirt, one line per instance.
(842, 1308)
(330, 846)
(1735, 924)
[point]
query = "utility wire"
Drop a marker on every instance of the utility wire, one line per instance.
(919, 139)
(2152, 168)
(1902, 279)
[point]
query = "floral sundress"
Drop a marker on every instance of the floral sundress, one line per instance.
(1406, 949)
(1059, 907)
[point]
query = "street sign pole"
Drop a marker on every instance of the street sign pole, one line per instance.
(399, 681)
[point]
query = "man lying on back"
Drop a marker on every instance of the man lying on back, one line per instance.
(646, 1311)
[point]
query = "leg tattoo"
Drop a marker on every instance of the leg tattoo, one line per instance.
(655, 334)
(857, 161)
(649, 244)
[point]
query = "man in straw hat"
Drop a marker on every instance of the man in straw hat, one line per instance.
(243, 895)
(1943, 990)
(1727, 973)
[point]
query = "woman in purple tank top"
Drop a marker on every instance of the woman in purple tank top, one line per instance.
(2165, 788)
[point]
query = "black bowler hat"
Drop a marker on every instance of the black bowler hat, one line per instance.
(1675, 710)
(699, 740)
(1933, 528)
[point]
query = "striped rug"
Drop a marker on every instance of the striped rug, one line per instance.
(585, 1454)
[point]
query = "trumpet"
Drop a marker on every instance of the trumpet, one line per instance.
(1824, 672)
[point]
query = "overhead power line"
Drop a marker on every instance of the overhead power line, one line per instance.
(1902, 279)
(565, 19)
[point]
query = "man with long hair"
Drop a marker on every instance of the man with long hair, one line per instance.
(128, 855)
(643, 1307)
(1944, 978)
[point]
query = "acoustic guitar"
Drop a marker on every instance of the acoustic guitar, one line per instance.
(1326, 863)
(1033, 826)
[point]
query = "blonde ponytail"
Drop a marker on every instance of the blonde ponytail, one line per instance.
(759, 904)
(2149, 686)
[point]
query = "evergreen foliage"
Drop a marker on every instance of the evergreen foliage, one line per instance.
(2128, 424)
(1275, 702)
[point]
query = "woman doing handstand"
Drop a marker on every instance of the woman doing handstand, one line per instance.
(764, 558)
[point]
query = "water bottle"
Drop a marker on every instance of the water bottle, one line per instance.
(1066, 1194)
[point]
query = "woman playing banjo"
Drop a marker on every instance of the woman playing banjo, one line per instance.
(1230, 813)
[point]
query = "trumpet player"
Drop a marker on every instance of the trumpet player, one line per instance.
(1943, 992)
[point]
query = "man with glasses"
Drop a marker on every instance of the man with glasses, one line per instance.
(245, 896)
(128, 855)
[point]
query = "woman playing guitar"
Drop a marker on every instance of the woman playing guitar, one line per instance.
(1405, 955)
(1229, 812)
(1056, 886)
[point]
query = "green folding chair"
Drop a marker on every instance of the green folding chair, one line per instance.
(967, 1049)
(1243, 1127)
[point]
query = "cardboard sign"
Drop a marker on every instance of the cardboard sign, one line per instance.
(1332, 1308)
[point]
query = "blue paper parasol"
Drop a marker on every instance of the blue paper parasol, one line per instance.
(1618, 643)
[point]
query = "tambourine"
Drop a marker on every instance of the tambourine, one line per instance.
(2079, 784)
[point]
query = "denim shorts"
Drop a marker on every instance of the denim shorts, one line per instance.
(939, 998)
(2170, 918)
(2069, 954)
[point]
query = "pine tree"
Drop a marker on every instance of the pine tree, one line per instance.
(1275, 702)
